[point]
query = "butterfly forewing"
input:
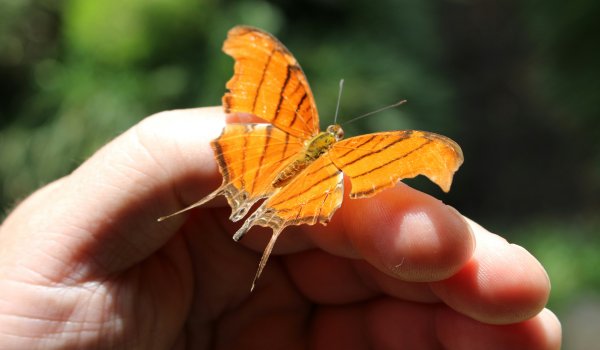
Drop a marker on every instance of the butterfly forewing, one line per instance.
(269, 83)
(377, 161)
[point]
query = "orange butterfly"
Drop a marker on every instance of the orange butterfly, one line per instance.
(286, 160)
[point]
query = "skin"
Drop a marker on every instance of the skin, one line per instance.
(84, 264)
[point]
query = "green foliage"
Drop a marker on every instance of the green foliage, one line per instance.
(126, 33)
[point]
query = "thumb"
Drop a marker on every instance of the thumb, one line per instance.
(103, 215)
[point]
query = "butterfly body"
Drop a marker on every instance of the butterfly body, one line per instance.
(315, 148)
(287, 163)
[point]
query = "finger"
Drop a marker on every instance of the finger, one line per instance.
(327, 279)
(378, 324)
(501, 284)
(457, 331)
(105, 211)
(387, 323)
(403, 232)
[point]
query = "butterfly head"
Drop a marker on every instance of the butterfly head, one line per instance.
(336, 130)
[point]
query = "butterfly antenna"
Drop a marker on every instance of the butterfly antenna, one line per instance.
(337, 108)
(375, 111)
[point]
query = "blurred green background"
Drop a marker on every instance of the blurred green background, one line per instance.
(515, 83)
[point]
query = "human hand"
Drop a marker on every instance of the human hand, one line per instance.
(84, 264)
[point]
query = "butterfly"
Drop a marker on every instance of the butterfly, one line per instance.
(288, 163)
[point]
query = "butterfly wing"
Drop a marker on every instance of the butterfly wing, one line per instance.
(311, 197)
(269, 83)
(377, 161)
(249, 157)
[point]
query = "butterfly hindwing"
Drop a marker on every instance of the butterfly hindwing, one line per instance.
(249, 157)
(309, 198)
